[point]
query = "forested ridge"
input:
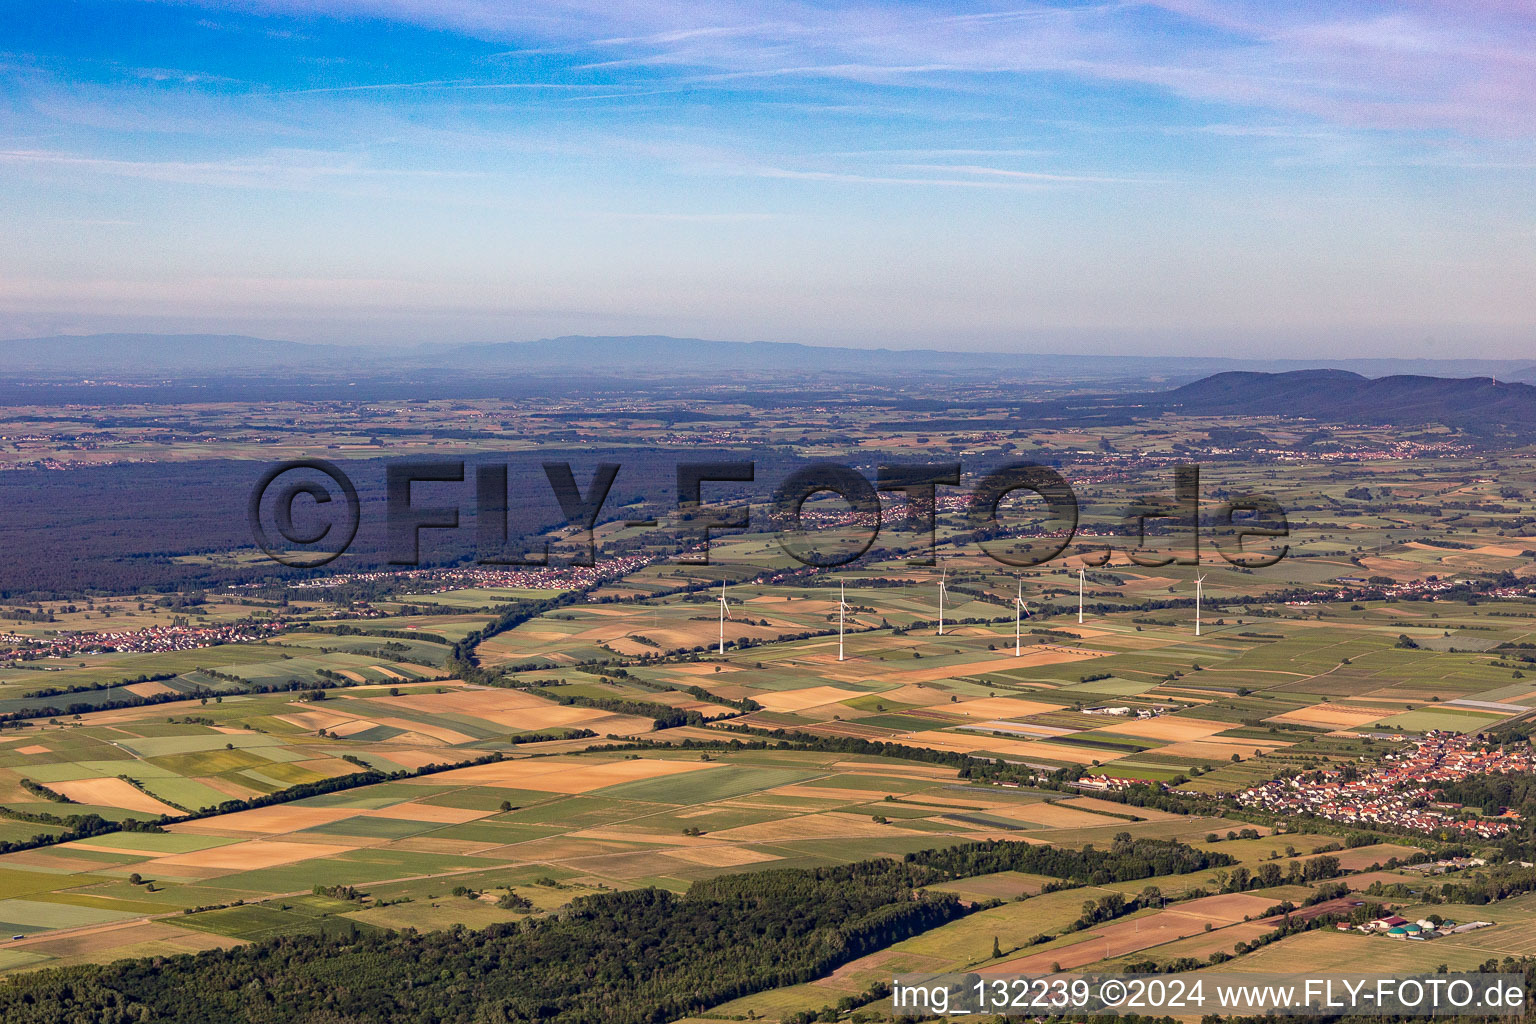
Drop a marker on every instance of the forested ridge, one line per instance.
(645, 955)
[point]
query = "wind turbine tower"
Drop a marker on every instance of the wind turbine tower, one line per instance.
(842, 609)
(1081, 572)
(725, 613)
(1199, 589)
(942, 576)
(1020, 609)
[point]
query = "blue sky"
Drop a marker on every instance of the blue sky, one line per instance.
(1185, 176)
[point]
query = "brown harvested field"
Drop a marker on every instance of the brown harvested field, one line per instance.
(830, 825)
(911, 693)
(351, 727)
(52, 859)
(1170, 727)
(344, 722)
(1218, 750)
(1501, 551)
(1003, 886)
(35, 748)
(109, 938)
(247, 856)
(410, 758)
(547, 717)
(148, 689)
(112, 792)
(1001, 708)
(799, 700)
(430, 732)
(551, 775)
(1121, 937)
(689, 732)
(1093, 803)
(468, 701)
(427, 812)
(984, 835)
(1333, 715)
(329, 766)
(1180, 693)
(720, 856)
(1365, 879)
(620, 725)
(356, 677)
(268, 820)
(1363, 857)
(226, 786)
(1223, 940)
(1055, 815)
(1397, 568)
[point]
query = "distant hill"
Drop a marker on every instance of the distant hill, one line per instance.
(1340, 396)
(633, 358)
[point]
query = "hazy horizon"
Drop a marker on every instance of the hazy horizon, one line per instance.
(1172, 178)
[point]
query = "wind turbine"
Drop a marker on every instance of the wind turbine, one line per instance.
(1080, 575)
(1199, 587)
(842, 607)
(1019, 609)
(942, 576)
(725, 613)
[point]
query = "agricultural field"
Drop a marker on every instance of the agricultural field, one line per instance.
(547, 827)
(435, 748)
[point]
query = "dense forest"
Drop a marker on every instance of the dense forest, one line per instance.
(643, 955)
(119, 528)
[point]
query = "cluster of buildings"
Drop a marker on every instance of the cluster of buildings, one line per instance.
(1372, 449)
(1126, 712)
(1402, 790)
(1103, 783)
(1446, 865)
(1394, 927)
(571, 577)
(150, 639)
(1357, 589)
